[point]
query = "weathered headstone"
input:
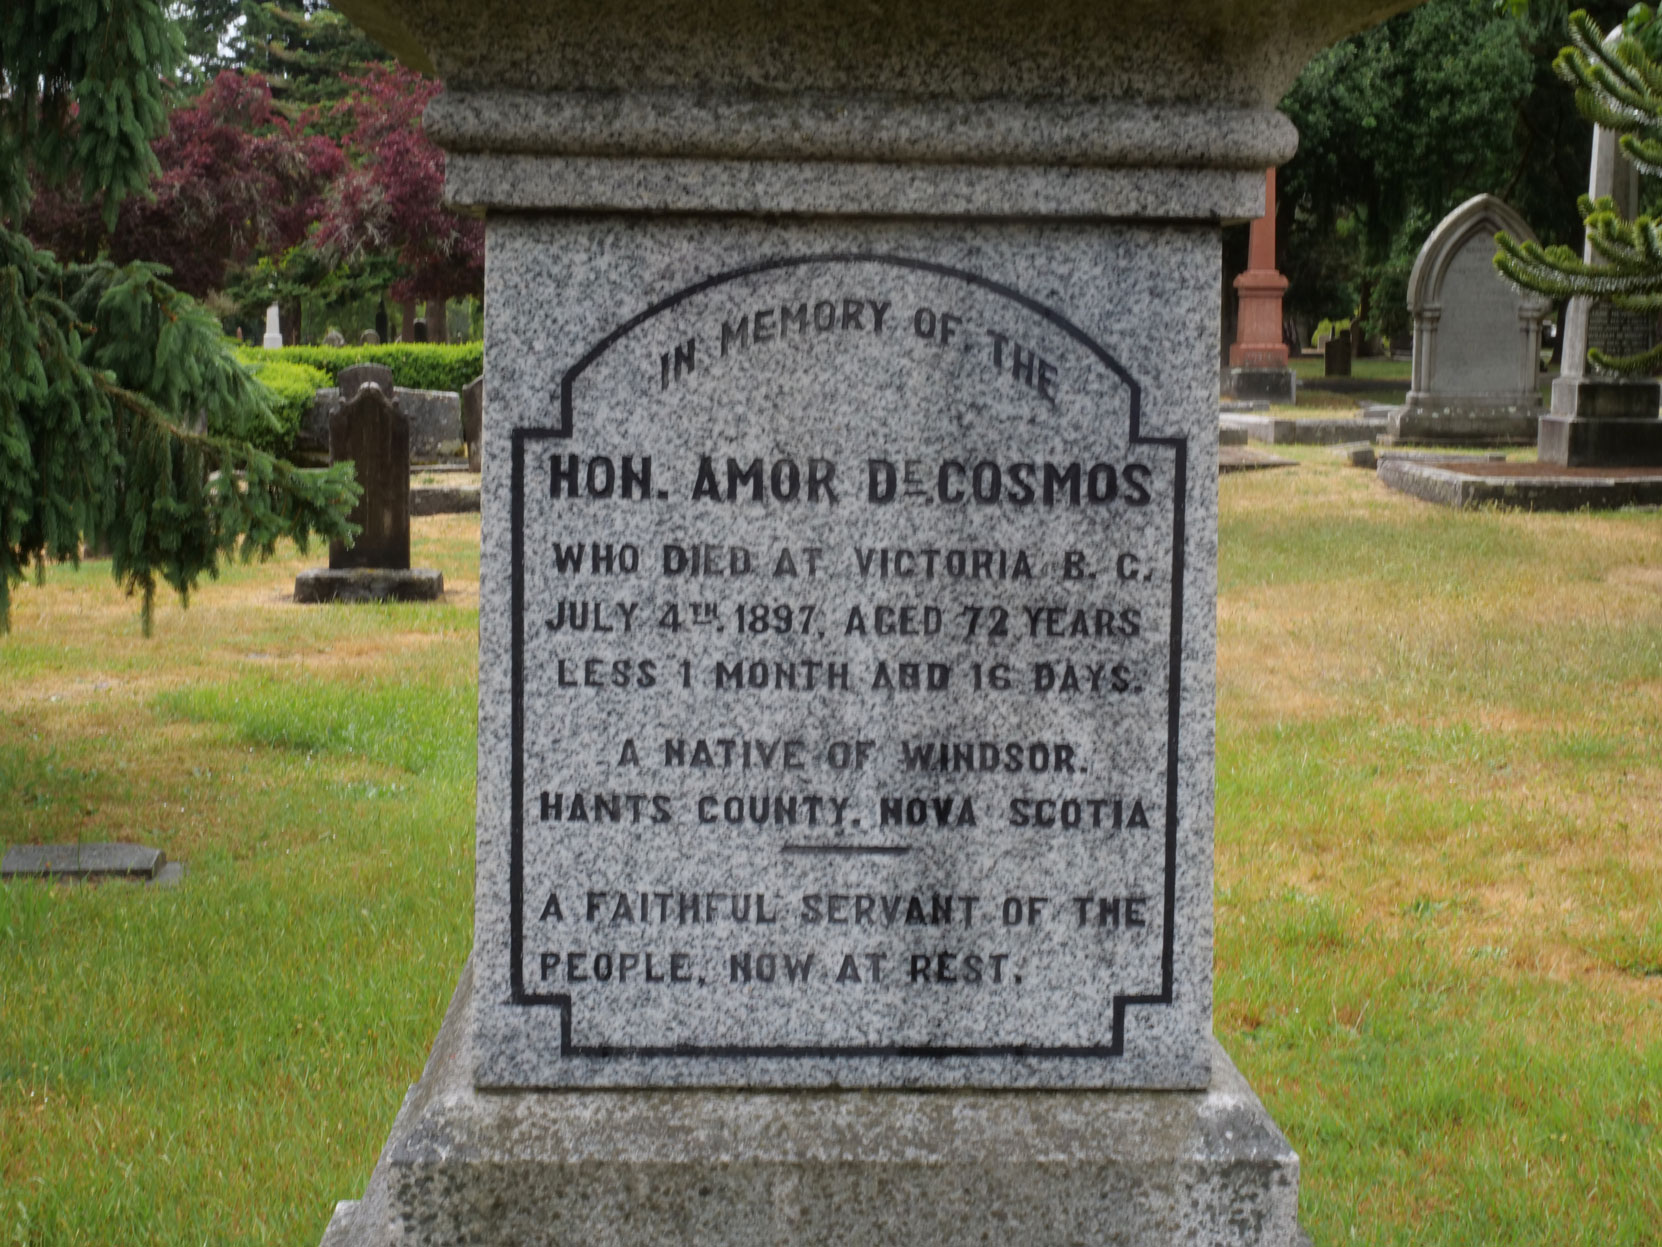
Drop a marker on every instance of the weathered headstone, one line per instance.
(273, 339)
(435, 418)
(473, 420)
(369, 431)
(369, 338)
(334, 338)
(1477, 340)
(847, 626)
(1336, 356)
(420, 334)
(355, 377)
(1600, 418)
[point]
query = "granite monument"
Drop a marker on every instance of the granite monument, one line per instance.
(847, 625)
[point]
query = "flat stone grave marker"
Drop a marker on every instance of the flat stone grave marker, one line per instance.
(82, 861)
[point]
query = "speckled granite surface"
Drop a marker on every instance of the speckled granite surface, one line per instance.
(1070, 509)
(813, 1169)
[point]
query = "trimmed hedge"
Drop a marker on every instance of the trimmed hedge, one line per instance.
(291, 387)
(415, 365)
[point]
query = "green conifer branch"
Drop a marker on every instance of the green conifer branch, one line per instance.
(123, 419)
(1618, 85)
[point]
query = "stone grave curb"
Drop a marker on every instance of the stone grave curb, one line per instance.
(1440, 481)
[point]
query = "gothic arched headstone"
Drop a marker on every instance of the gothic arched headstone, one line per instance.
(1477, 339)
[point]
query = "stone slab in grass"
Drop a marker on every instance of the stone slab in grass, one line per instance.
(81, 861)
(443, 499)
(1245, 459)
(1358, 454)
(1279, 431)
(368, 584)
(1462, 484)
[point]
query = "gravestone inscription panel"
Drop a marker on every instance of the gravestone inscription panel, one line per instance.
(836, 719)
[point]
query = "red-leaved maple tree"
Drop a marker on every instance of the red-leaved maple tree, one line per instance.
(237, 180)
(391, 198)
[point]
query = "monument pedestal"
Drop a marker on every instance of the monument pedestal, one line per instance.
(1602, 423)
(806, 1168)
(1275, 385)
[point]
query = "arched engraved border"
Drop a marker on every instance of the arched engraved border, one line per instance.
(522, 436)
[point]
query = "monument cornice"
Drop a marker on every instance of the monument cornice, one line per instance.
(1002, 107)
(1192, 51)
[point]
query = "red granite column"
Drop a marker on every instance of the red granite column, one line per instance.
(1258, 341)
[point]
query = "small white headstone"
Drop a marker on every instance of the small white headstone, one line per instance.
(273, 329)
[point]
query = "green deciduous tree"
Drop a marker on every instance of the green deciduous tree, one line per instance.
(123, 417)
(1401, 124)
(1618, 85)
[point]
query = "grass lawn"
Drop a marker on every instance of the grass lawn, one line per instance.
(1439, 876)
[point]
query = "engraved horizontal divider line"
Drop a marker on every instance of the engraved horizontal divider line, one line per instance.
(563, 429)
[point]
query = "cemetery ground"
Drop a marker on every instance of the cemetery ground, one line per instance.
(1439, 875)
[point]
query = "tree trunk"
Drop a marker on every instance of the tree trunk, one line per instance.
(438, 320)
(1359, 339)
(407, 315)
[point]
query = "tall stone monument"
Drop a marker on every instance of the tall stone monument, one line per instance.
(847, 624)
(1258, 356)
(1477, 339)
(1600, 418)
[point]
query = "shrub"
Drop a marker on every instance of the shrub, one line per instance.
(290, 387)
(415, 365)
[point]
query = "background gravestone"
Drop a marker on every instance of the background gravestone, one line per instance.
(1336, 356)
(1599, 418)
(847, 636)
(369, 431)
(351, 379)
(1477, 339)
(433, 417)
(273, 339)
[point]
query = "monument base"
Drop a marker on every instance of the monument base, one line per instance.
(1277, 385)
(1477, 423)
(1605, 398)
(368, 584)
(1600, 443)
(1602, 423)
(770, 1169)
